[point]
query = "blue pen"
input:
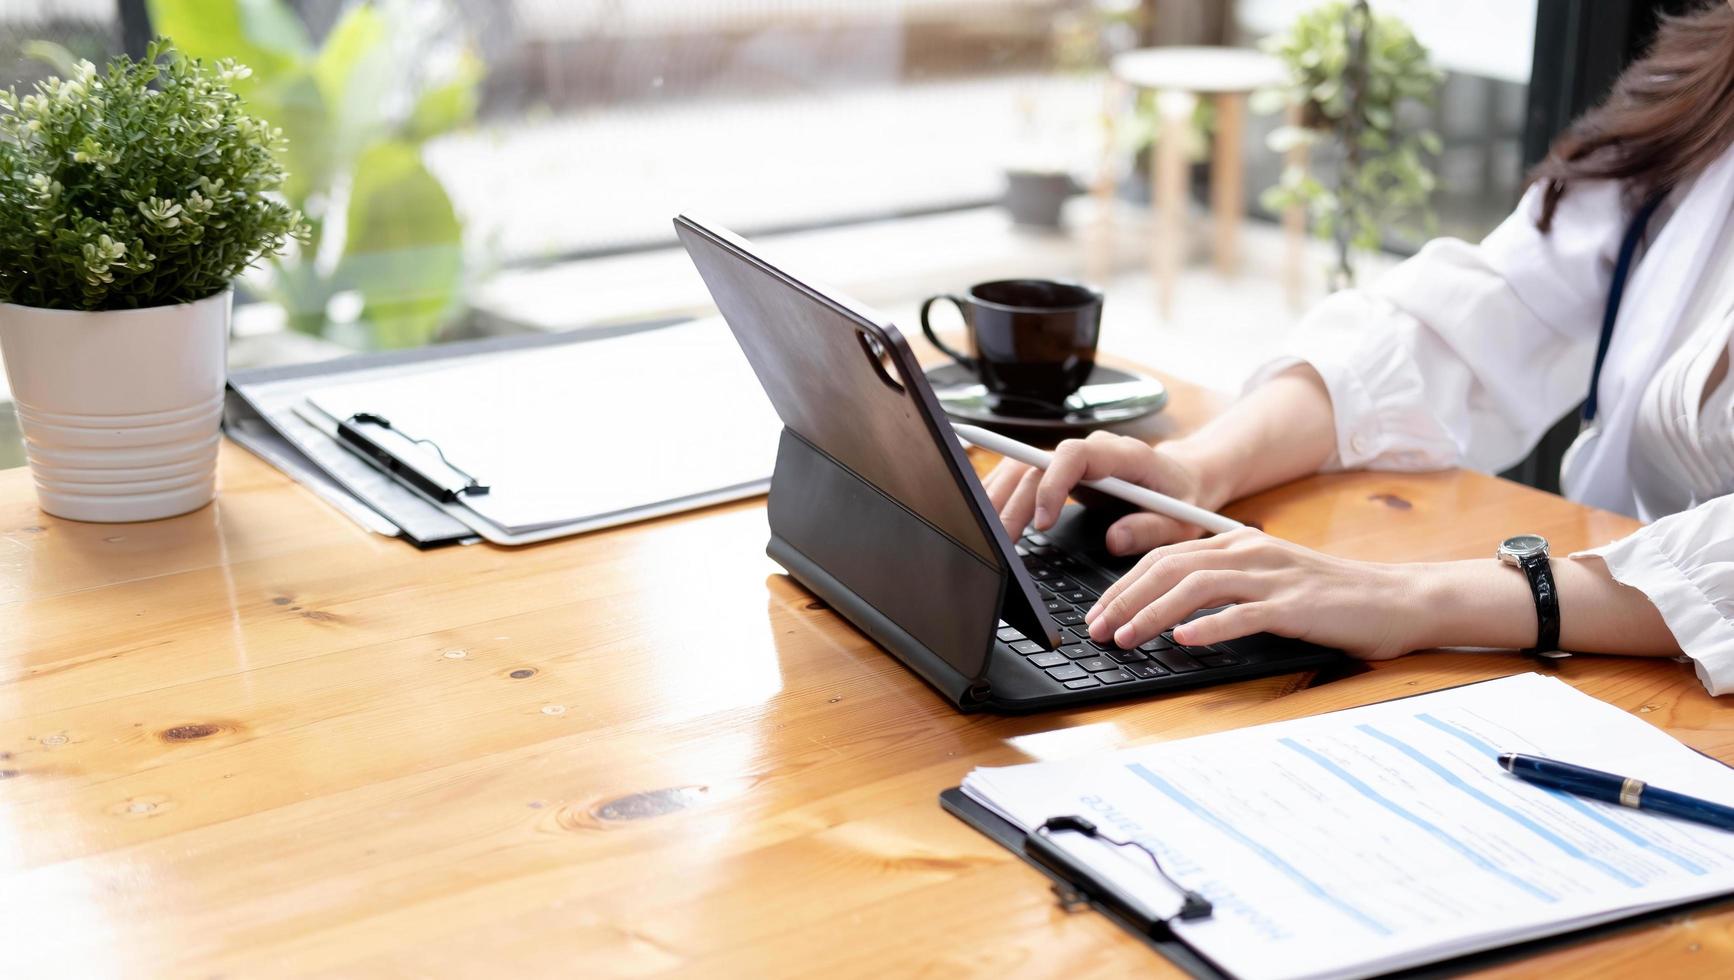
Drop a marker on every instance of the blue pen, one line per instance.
(1598, 785)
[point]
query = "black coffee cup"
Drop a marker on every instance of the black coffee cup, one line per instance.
(1034, 339)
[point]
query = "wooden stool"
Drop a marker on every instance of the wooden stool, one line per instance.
(1179, 76)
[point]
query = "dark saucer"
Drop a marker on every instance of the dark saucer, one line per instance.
(1109, 396)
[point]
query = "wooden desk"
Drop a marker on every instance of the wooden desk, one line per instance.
(256, 740)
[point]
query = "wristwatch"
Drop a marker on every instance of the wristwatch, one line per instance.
(1529, 553)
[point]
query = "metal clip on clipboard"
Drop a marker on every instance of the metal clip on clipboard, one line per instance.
(416, 462)
(1078, 886)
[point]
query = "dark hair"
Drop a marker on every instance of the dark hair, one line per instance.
(1670, 114)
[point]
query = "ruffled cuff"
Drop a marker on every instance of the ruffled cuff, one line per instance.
(1361, 346)
(1704, 633)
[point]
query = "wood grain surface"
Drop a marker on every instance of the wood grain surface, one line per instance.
(258, 741)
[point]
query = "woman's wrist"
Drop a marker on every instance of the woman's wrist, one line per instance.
(1486, 603)
(1281, 431)
(1476, 603)
(1212, 472)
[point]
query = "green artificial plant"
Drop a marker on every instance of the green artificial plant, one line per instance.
(1353, 71)
(358, 110)
(147, 184)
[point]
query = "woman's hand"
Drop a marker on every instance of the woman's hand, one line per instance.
(1023, 494)
(1374, 611)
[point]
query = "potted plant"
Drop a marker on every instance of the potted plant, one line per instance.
(129, 200)
(1353, 72)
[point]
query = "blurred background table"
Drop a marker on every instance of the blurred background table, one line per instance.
(1178, 76)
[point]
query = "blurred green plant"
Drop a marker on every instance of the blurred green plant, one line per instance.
(147, 184)
(1084, 34)
(1352, 73)
(357, 111)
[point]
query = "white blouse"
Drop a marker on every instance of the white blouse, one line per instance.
(1467, 354)
(1684, 431)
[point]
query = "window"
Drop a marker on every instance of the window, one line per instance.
(475, 142)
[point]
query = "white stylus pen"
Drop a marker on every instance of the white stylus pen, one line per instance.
(1132, 493)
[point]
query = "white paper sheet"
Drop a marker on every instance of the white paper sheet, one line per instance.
(607, 427)
(1367, 840)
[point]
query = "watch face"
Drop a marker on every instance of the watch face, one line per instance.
(1524, 546)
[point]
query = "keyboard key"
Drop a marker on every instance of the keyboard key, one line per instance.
(1068, 618)
(1043, 591)
(1045, 550)
(1079, 631)
(1081, 683)
(1035, 539)
(1145, 671)
(1077, 651)
(1027, 647)
(1080, 596)
(1059, 606)
(1067, 672)
(1048, 658)
(1042, 573)
(1115, 676)
(1159, 643)
(1107, 647)
(1061, 584)
(1219, 660)
(1009, 634)
(1096, 664)
(1179, 661)
(1022, 551)
(1128, 656)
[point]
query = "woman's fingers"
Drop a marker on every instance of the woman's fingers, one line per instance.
(1149, 586)
(1002, 480)
(1025, 497)
(1143, 532)
(1232, 623)
(1021, 505)
(1070, 461)
(1101, 455)
(1234, 540)
(1198, 590)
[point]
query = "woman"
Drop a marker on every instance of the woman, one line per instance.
(1466, 355)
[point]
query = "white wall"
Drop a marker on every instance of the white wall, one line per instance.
(1487, 38)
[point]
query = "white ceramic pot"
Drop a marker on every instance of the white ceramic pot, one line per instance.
(120, 409)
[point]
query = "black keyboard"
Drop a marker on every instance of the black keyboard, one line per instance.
(1069, 586)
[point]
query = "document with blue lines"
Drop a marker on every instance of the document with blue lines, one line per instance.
(1376, 838)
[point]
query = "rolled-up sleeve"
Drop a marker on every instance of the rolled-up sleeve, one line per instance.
(1684, 563)
(1466, 354)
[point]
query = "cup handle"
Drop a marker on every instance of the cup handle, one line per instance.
(927, 328)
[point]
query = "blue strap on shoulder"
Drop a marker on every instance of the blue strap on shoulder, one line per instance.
(1616, 292)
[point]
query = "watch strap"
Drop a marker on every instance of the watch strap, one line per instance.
(1540, 573)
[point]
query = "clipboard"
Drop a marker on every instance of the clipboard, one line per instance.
(525, 446)
(399, 474)
(1075, 889)
(422, 470)
(260, 414)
